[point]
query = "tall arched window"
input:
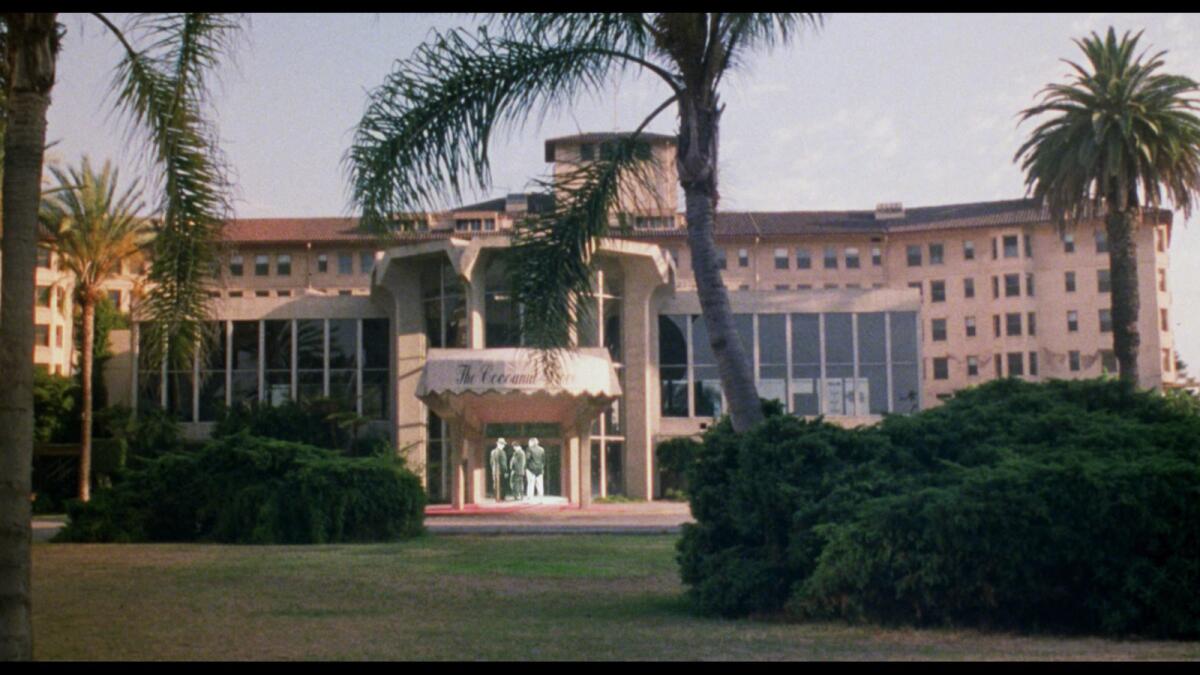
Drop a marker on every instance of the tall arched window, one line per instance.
(503, 316)
(445, 305)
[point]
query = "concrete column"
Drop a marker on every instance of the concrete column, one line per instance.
(641, 379)
(584, 450)
(475, 469)
(458, 482)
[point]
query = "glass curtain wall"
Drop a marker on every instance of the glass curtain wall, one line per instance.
(602, 326)
(444, 302)
(274, 361)
(840, 363)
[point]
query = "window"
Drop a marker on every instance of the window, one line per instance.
(781, 259)
(937, 291)
(475, 224)
(43, 296)
(41, 334)
(1073, 361)
(502, 316)
(1012, 324)
(283, 265)
(1162, 280)
(968, 250)
(783, 287)
(1101, 241)
(58, 336)
(831, 258)
(941, 368)
(972, 366)
(43, 257)
(1012, 285)
(345, 263)
(1103, 282)
(1029, 254)
(262, 294)
(937, 254)
(997, 363)
(914, 255)
(277, 361)
(114, 297)
(1011, 246)
(939, 330)
(995, 287)
(968, 287)
(996, 325)
(587, 151)
(61, 297)
(1029, 284)
(1108, 360)
(1068, 243)
(876, 256)
(917, 285)
(1162, 315)
(262, 265)
(1033, 367)
(743, 258)
(673, 364)
(366, 261)
(803, 259)
(1031, 322)
(373, 359)
(994, 254)
(851, 258)
(1160, 238)
(1070, 281)
(831, 285)
(1016, 364)
(721, 262)
(1166, 360)
(1072, 321)
(236, 265)
(970, 322)
(322, 263)
(235, 294)
(1106, 321)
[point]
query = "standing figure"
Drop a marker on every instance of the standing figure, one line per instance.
(516, 472)
(535, 466)
(499, 462)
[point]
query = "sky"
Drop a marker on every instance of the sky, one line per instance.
(917, 108)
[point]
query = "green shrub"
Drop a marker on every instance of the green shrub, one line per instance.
(246, 489)
(1064, 506)
(673, 457)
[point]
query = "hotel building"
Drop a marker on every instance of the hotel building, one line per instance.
(849, 314)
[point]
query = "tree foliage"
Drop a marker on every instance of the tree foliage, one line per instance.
(1066, 506)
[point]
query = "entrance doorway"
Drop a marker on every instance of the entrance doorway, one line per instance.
(549, 437)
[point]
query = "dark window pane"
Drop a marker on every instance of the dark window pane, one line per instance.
(279, 386)
(343, 388)
(310, 344)
(310, 385)
(212, 395)
(277, 340)
(179, 395)
(245, 345)
(375, 390)
(375, 341)
(343, 338)
(904, 337)
(245, 387)
(674, 391)
(614, 452)
(612, 327)
(806, 339)
(672, 339)
(839, 341)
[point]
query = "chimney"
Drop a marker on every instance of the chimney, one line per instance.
(889, 210)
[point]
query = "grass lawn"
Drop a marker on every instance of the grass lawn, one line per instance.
(449, 597)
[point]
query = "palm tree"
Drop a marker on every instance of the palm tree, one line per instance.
(93, 229)
(1122, 134)
(162, 89)
(426, 130)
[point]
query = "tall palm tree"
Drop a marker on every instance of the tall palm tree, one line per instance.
(1122, 135)
(426, 130)
(93, 229)
(162, 87)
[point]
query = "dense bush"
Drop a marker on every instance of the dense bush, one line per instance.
(245, 489)
(321, 422)
(1064, 506)
(673, 456)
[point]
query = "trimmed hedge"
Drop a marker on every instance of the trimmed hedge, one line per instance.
(245, 489)
(1063, 506)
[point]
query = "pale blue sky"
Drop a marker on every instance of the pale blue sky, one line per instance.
(913, 108)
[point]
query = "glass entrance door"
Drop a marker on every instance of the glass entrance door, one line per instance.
(501, 484)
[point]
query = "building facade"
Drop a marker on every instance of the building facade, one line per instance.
(851, 314)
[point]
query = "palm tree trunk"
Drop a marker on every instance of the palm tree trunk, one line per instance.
(697, 164)
(85, 446)
(1122, 257)
(31, 52)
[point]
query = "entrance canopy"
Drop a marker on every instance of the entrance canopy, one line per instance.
(483, 386)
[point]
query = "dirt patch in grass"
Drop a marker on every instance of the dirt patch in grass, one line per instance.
(460, 597)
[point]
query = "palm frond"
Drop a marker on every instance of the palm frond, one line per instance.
(552, 258)
(425, 134)
(162, 91)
